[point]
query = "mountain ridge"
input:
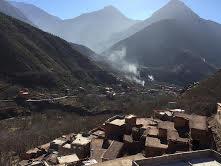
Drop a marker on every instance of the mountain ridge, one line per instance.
(89, 29)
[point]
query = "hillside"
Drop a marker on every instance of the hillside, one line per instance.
(89, 29)
(203, 97)
(159, 46)
(32, 58)
(9, 10)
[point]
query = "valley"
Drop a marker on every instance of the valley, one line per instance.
(101, 87)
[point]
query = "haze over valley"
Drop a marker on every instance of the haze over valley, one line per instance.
(62, 75)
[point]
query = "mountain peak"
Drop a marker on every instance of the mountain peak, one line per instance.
(176, 9)
(111, 8)
(176, 2)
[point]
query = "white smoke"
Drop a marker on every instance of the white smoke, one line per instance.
(117, 60)
(151, 77)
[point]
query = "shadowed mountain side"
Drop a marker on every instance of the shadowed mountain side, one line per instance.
(161, 44)
(32, 57)
(203, 97)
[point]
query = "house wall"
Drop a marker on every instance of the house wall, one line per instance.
(218, 111)
(154, 151)
(114, 131)
(180, 122)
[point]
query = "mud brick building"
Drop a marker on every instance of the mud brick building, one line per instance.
(116, 126)
(81, 146)
(97, 149)
(164, 127)
(154, 147)
(122, 136)
(114, 151)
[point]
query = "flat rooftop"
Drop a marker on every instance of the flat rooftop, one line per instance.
(174, 136)
(80, 140)
(198, 122)
(96, 149)
(124, 161)
(196, 158)
(130, 116)
(113, 150)
(68, 159)
(166, 125)
(151, 132)
(182, 115)
(155, 143)
(146, 122)
(118, 122)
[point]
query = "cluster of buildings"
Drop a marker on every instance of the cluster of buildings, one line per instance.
(168, 132)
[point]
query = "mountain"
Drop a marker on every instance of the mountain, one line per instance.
(89, 29)
(160, 47)
(202, 97)
(39, 17)
(84, 50)
(9, 10)
(33, 58)
(175, 9)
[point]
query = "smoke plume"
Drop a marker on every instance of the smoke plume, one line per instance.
(130, 70)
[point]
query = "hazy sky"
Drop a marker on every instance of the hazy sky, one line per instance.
(136, 9)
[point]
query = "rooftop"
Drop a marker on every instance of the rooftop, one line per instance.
(59, 142)
(96, 149)
(155, 143)
(80, 140)
(166, 125)
(113, 150)
(118, 122)
(174, 136)
(146, 122)
(68, 159)
(199, 122)
(151, 132)
(196, 158)
(182, 115)
(130, 116)
(124, 161)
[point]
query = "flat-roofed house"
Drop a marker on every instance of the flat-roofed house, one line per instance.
(115, 129)
(57, 143)
(154, 147)
(66, 149)
(97, 150)
(163, 127)
(165, 115)
(130, 121)
(131, 146)
(81, 145)
(176, 143)
(181, 120)
(68, 160)
(114, 151)
(199, 131)
(32, 153)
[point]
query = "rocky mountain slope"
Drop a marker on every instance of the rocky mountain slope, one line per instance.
(32, 58)
(89, 29)
(12, 11)
(178, 33)
(203, 97)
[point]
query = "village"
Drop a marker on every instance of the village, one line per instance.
(130, 138)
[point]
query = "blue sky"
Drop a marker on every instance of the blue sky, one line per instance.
(136, 9)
